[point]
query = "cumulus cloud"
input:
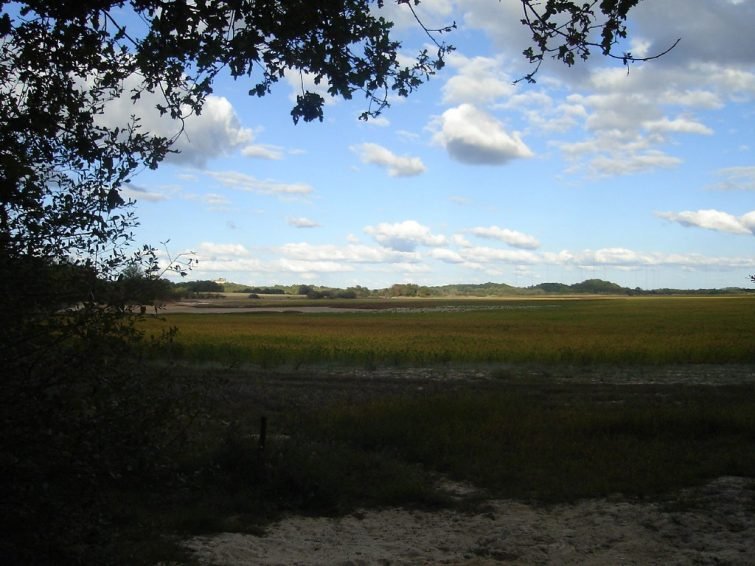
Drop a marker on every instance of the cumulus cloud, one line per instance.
(625, 258)
(215, 132)
(474, 137)
(511, 237)
(350, 253)
(212, 251)
(244, 182)
(628, 121)
(313, 267)
(684, 125)
(726, 27)
(447, 256)
(713, 220)
(397, 166)
(433, 13)
(626, 127)
(302, 222)
(478, 80)
(484, 254)
(404, 236)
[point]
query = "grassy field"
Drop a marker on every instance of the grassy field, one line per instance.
(615, 330)
(339, 444)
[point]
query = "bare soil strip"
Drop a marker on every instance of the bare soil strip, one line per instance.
(714, 525)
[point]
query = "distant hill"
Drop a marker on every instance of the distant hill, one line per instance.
(590, 286)
(489, 289)
(475, 290)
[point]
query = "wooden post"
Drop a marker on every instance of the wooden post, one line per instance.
(263, 434)
(261, 472)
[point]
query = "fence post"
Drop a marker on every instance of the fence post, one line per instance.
(263, 434)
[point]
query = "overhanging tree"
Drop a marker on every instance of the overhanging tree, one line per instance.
(61, 62)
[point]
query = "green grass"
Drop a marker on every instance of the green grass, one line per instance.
(530, 448)
(628, 330)
(542, 442)
(537, 442)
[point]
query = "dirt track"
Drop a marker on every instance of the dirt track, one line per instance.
(716, 525)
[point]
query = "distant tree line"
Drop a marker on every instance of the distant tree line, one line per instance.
(133, 287)
(489, 289)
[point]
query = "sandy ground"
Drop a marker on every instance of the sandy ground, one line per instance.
(712, 524)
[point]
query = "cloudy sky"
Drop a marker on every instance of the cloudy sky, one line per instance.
(646, 179)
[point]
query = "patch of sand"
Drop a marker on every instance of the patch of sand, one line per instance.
(713, 524)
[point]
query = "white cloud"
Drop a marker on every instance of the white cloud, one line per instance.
(478, 80)
(404, 236)
(216, 201)
(272, 152)
(301, 222)
(511, 237)
(713, 220)
(725, 26)
(314, 267)
(677, 125)
(212, 251)
(617, 164)
(460, 240)
(477, 138)
(215, 132)
(740, 178)
(446, 255)
(433, 13)
(244, 182)
(397, 166)
(621, 257)
(380, 122)
(351, 253)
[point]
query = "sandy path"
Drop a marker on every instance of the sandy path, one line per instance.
(714, 525)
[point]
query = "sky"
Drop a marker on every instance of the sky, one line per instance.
(644, 177)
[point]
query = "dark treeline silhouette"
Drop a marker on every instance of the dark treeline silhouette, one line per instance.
(489, 289)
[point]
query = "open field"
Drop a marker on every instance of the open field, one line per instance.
(411, 332)
(523, 464)
(588, 419)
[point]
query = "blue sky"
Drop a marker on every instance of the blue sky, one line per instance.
(646, 179)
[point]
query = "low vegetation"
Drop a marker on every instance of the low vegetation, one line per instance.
(332, 451)
(529, 441)
(584, 331)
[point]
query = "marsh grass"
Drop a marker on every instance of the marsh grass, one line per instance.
(529, 448)
(630, 330)
(536, 442)
(541, 441)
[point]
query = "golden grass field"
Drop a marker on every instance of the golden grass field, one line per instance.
(561, 330)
